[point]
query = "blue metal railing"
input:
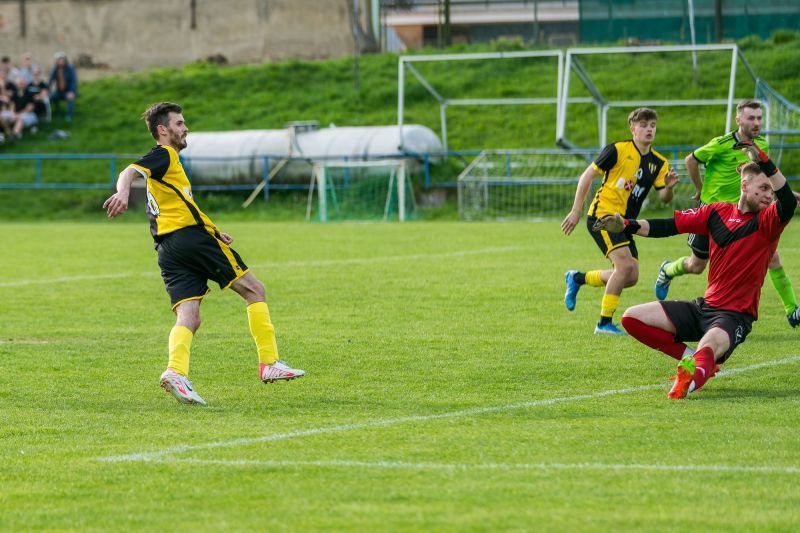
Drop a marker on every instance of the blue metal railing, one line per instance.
(38, 181)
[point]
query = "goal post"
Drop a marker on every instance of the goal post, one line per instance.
(587, 63)
(549, 59)
(378, 189)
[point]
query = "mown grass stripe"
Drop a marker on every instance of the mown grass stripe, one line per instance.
(400, 465)
(277, 264)
(150, 456)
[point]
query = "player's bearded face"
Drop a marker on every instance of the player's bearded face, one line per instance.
(177, 138)
(750, 122)
(177, 131)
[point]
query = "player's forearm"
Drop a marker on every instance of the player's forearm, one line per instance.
(124, 181)
(693, 169)
(778, 180)
(584, 183)
(787, 201)
(666, 194)
(655, 227)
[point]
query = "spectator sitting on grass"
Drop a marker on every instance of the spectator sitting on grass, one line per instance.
(7, 115)
(63, 84)
(41, 95)
(24, 115)
(7, 84)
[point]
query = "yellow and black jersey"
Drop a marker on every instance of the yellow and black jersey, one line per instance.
(170, 205)
(627, 178)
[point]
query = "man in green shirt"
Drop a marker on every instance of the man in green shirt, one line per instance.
(722, 183)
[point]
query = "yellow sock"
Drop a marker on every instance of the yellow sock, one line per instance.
(263, 332)
(180, 343)
(593, 278)
(609, 305)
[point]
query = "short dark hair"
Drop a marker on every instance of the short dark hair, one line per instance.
(749, 170)
(643, 113)
(753, 104)
(159, 114)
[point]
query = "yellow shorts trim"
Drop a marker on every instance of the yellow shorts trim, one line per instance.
(190, 298)
(235, 279)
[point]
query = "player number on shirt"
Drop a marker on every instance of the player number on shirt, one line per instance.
(152, 205)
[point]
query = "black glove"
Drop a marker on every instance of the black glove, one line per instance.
(757, 155)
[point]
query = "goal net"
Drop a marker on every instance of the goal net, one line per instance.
(360, 190)
(781, 118)
(540, 184)
(519, 185)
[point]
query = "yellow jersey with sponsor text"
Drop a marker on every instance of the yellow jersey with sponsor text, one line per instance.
(627, 178)
(170, 205)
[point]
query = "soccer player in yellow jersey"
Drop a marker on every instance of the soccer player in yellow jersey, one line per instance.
(629, 169)
(192, 251)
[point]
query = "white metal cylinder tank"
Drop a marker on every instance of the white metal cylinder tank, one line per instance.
(238, 156)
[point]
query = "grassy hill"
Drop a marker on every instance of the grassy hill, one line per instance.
(269, 95)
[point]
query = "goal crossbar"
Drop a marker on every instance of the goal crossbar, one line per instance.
(405, 63)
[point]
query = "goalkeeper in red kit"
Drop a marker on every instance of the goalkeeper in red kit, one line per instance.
(742, 238)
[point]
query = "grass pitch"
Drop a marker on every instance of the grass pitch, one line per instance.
(447, 389)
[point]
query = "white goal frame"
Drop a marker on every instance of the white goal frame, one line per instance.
(573, 64)
(397, 180)
(406, 64)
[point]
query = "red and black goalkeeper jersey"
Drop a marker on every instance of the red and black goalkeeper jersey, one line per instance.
(741, 246)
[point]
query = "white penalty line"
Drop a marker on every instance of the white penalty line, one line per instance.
(400, 465)
(314, 263)
(157, 455)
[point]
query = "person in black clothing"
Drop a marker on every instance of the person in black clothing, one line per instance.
(40, 93)
(24, 116)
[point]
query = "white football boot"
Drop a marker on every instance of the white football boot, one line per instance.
(180, 387)
(278, 371)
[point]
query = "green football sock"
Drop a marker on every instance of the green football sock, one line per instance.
(784, 287)
(675, 268)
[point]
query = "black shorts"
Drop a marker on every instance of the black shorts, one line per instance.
(610, 241)
(693, 319)
(699, 245)
(190, 257)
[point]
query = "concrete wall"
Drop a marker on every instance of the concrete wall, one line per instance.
(134, 34)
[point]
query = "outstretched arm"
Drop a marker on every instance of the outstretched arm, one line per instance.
(787, 201)
(574, 215)
(656, 227)
(117, 203)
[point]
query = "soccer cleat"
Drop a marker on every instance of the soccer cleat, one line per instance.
(608, 329)
(683, 379)
(662, 281)
(572, 290)
(180, 387)
(794, 317)
(278, 371)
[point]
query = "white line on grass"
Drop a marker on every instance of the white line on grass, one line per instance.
(487, 466)
(151, 456)
(278, 264)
